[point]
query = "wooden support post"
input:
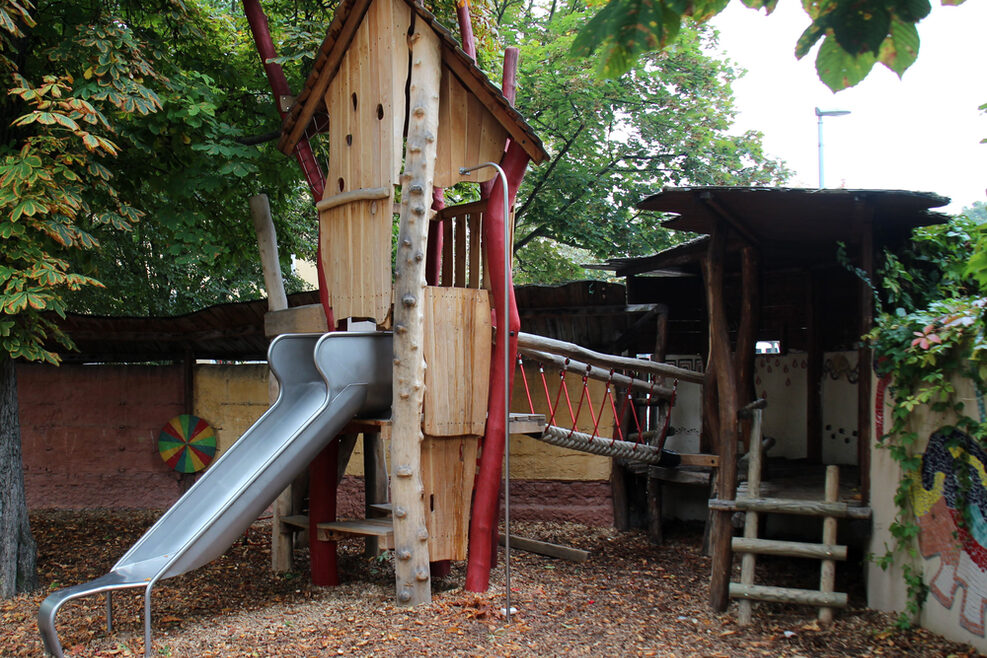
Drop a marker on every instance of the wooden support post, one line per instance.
(747, 562)
(277, 300)
(827, 576)
(750, 312)
(726, 385)
(374, 482)
(864, 356)
(322, 509)
(654, 486)
(813, 373)
(411, 570)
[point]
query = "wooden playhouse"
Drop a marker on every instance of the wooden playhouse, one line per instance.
(406, 109)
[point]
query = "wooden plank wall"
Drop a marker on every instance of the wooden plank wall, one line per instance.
(457, 354)
(366, 104)
(448, 469)
(461, 247)
(469, 135)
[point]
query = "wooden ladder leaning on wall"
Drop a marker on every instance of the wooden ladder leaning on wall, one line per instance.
(750, 546)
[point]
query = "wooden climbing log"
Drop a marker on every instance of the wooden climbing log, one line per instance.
(411, 570)
(789, 548)
(788, 595)
(785, 506)
(827, 574)
(543, 344)
(721, 530)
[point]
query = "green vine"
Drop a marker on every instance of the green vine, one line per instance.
(935, 334)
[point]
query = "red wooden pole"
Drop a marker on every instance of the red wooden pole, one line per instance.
(483, 521)
(322, 509)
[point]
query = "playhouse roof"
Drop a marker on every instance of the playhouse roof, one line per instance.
(789, 225)
(349, 14)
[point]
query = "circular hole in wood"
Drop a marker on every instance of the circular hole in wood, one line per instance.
(341, 185)
(380, 111)
(349, 140)
(353, 96)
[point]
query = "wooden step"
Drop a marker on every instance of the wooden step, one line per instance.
(299, 521)
(788, 595)
(526, 423)
(789, 548)
(383, 529)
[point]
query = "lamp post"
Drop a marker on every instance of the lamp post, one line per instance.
(819, 122)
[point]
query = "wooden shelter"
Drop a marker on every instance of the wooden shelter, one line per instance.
(405, 107)
(766, 267)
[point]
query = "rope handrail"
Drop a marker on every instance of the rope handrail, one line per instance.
(633, 438)
(550, 345)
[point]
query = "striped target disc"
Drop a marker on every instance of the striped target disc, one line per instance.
(187, 443)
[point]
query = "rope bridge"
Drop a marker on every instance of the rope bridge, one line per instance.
(631, 386)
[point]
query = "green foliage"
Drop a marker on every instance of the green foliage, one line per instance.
(52, 175)
(616, 141)
(932, 330)
(177, 89)
(855, 34)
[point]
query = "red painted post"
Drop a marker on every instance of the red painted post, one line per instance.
(483, 521)
(322, 509)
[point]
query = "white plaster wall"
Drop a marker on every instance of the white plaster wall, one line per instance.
(781, 380)
(957, 605)
(687, 414)
(839, 407)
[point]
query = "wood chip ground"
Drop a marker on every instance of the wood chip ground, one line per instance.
(628, 599)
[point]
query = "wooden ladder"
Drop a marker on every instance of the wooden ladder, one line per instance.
(750, 545)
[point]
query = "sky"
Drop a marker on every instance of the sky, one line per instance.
(921, 132)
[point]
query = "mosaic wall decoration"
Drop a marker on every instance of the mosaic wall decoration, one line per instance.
(961, 546)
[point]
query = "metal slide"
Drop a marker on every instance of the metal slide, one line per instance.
(326, 380)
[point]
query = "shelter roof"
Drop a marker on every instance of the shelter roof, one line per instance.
(224, 332)
(346, 20)
(790, 226)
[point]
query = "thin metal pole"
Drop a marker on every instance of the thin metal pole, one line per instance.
(819, 122)
(505, 319)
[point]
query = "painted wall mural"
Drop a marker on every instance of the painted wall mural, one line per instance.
(960, 545)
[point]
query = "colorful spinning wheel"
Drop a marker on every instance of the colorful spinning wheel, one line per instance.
(187, 443)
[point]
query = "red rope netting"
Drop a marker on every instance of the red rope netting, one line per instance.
(626, 415)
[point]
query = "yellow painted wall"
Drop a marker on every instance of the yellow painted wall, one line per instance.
(230, 398)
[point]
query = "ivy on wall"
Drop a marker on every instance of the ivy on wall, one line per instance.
(929, 332)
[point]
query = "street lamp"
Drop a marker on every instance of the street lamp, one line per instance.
(819, 116)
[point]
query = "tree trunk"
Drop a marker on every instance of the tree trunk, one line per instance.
(17, 551)
(411, 569)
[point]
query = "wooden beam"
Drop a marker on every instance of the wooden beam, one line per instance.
(865, 217)
(411, 569)
(786, 506)
(813, 373)
(789, 548)
(543, 344)
(788, 595)
(578, 367)
(734, 222)
(545, 548)
(726, 387)
(367, 194)
(827, 575)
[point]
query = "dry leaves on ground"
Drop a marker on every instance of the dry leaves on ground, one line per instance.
(628, 599)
